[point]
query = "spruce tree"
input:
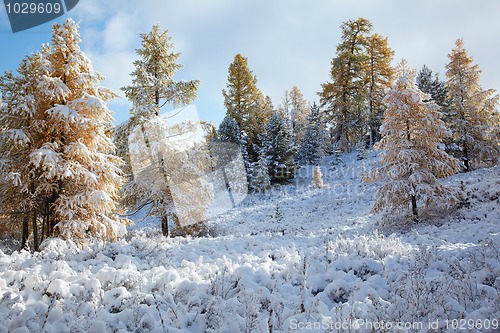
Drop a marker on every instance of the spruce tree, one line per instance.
(278, 148)
(65, 173)
(260, 181)
(345, 96)
(153, 86)
(473, 114)
(229, 131)
(410, 158)
(311, 148)
(227, 150)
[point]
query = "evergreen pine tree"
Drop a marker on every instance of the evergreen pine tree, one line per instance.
(278, 148)
(411, 160)
(153, 86)
(432, 85)
(227, 148)
(260, 181)
(65, 173)
(473, 115)
(229, 131)
(311, 148)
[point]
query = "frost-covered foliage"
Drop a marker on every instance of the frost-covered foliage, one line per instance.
(56, 163)
(278, 148)
(260, 181)
(229, 131)
(317, 177)
(429, 83)
(291, 257)
(299, 109)
(473, 112)
(411, 159)
(313, 141)
(153, 85)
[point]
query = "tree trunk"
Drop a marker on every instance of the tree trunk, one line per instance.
(164, 225)
(228, 187)
(35, 231)
(414, 208)
(413, 196)
(25, 230)
(466, 158)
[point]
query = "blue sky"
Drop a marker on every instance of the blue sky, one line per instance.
(287, 42)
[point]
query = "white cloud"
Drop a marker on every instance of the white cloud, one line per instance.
(287, 43)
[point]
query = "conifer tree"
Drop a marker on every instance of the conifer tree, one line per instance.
(278, 148)
(430, 84)
(260, 181)
(20, 123)
(229, 131)
(299, 112)
(411, 161)
(473, 113)
(317, 177)
(245, 104)
(380, 75)
(311, 148)
(153, 86)
(65, 173)
(228, 148)
(345, 96)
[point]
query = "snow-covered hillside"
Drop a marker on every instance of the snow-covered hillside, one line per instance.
(295, 260)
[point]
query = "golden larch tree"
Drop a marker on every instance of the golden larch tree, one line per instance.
(344, 98)
(411, 160)
(472, 113)
(69, 178)
(246, 104)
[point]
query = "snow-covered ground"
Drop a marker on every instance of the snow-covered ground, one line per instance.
(294, 260)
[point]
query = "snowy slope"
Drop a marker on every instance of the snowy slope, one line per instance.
(295, 260)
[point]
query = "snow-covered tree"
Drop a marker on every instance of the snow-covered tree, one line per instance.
(65, 173)
(278, 148)
(473, 112)
(229, 131)
(317, 178)
(260, 181)
(430, 84)
(299, 112)
(379, 75)
(19, 122)
(411, 160)
(227, 149)
(153, 86)
(311, 147)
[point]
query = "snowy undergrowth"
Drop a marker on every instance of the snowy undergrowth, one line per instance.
(298, 259)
